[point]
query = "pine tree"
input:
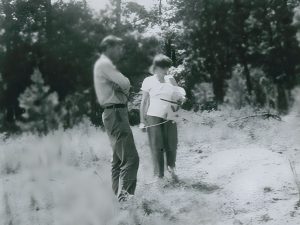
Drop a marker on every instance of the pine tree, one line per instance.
(237, 88)
(40, 106)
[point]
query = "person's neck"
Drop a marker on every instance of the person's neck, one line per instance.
(109, 56)
(160, 77)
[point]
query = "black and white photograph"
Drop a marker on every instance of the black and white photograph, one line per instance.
(149, 112)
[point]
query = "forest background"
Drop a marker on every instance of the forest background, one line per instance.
(225, 52)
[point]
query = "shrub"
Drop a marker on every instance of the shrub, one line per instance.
(41, 111)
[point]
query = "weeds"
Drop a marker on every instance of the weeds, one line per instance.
(297, 181)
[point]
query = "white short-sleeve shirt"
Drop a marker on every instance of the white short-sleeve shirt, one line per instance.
(158, 91)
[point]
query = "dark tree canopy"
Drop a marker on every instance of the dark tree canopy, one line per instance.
(214, 44)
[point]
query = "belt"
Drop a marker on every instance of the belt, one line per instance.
(115, 106)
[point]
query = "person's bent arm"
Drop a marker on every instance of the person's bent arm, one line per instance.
(144, 107)
(113, 75)
(117, 88)
(172, 80)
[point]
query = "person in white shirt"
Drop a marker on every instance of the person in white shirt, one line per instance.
(112, 90)
(161, 98)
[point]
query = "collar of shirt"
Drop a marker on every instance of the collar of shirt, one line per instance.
(104, 57)
(160, 81)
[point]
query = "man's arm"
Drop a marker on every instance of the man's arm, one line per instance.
(113, 75)
(117, 88)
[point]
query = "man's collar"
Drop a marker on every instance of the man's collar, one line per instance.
(107, 58)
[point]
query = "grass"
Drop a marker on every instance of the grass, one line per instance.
(64, 178)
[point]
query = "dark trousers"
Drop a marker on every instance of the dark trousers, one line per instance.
(125, 159)
(163, 140)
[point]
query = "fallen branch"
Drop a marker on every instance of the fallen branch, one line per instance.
(263, 115)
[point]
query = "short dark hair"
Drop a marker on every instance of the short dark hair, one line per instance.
(162, 61)
(110, 41)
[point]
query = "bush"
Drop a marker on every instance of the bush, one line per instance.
(236, 94)
(204, 97)
(134, 117)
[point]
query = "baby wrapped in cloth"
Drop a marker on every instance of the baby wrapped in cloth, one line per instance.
(165, 98)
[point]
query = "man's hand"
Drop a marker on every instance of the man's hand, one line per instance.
(116, 87)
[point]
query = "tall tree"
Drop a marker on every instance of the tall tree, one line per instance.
(61, 39)
(273, 45)
(241, 13)
(118, 13)
(21, 25)
(256, 34)
(209, 42)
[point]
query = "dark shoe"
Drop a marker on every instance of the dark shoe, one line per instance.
(124, 196)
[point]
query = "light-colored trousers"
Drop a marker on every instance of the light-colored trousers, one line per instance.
(125, 159)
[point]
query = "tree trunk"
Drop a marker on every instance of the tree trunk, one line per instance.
(8, 105)
(218, 85)
(282, 99)
(242, 43)
(248, 78)
(159, 8)
(159, 12)
(168, 47)
(48, 8)
(118, 12)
